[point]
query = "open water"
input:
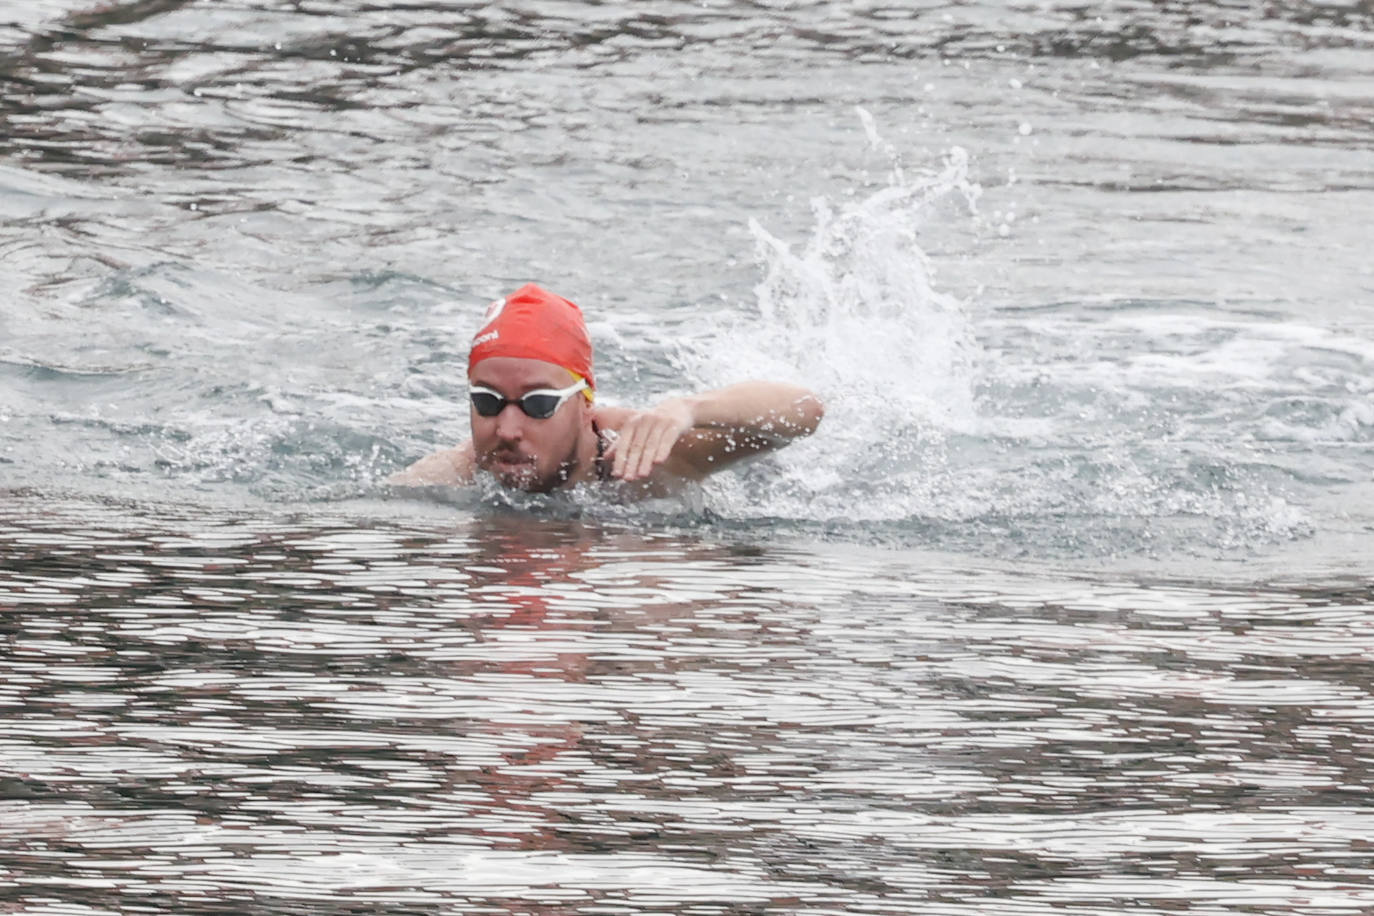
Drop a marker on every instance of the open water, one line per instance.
(1068, 605)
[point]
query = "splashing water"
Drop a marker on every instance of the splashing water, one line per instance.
(925, 438)
(857, 316)
(858, 308)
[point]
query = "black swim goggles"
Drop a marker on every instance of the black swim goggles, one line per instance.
(539, 404)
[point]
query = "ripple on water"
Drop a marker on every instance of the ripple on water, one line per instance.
(522, 713)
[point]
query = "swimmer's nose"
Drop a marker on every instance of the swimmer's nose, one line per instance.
(510, 423)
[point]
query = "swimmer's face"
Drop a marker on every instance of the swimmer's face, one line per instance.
(523, 452)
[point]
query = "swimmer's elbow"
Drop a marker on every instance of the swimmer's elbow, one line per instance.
(810, 412)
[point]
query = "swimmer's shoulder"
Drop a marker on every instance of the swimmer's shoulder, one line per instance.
(450, 467)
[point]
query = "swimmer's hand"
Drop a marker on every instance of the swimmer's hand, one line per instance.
(692, 437)
(645, 440)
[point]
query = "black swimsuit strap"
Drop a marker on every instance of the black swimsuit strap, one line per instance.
(603, 472)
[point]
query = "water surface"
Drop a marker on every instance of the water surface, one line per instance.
(229, 714)
(1067, 606)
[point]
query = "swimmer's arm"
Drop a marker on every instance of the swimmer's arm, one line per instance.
(700, 434)
(451, 467)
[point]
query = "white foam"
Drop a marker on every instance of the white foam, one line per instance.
(856, 314)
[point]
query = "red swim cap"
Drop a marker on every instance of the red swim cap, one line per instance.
(533, 323)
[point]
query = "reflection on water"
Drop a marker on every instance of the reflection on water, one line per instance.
(218, 713)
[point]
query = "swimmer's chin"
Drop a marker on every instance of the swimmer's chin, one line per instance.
(518, 475)
(518, 479)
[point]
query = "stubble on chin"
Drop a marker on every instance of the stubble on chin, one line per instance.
(521, 472)
(523, 475)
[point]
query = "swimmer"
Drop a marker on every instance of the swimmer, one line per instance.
(536, 426)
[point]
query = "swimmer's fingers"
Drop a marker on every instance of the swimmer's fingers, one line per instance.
(620, 450)
(633, 446)
(645, 441)
(658, 444)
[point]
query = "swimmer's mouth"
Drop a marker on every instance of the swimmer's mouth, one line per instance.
(513, 470)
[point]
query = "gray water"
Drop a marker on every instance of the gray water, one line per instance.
(1067, 605)
(231, 714)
